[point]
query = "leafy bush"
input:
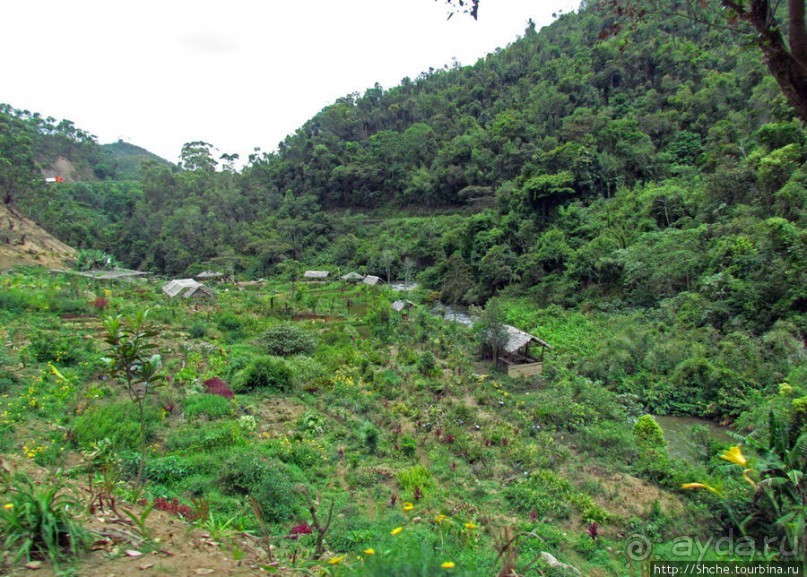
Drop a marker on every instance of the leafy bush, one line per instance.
(94, 259)
(415, 477)
(649, 433)
(270, 482)
(370, 436)
(408, 445)
(211, 436)
(37, 520)
(198, 330)
(209, 406)
(231, 326)
(286, 340)
(117, 421)
(57, 347)
(264, 373)
(165, 470)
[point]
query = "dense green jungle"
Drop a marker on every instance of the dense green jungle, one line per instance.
(628, 188)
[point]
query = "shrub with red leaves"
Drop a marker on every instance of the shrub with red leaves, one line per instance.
(174, 507)
(302, 529)
(100, 303)
(216, 386)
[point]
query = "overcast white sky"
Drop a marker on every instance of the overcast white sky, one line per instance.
(235, 73)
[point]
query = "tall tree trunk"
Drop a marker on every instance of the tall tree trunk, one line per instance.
(787, 64)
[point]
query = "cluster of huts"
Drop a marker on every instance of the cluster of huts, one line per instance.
(354, 277)
(517, 357)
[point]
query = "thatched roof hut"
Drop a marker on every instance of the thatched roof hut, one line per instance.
(517, 358)
(371, 280)
(517, 339)
(187, 288)
(400, 305)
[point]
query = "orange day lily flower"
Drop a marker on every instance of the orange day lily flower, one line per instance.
(702, 486)
(735, 455)
(336, 560)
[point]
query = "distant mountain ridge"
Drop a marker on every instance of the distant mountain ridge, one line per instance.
(129, 158)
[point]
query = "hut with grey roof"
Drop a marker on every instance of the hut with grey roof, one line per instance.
(371, 280)
(353, 277)
(401, 305)
(517, 357)
(316, 275)
(187, 288)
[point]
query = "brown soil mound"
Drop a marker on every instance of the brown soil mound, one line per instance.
(23, 242)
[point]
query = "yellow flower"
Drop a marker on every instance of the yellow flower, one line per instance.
(396, 531)
(470, 525)
(439, 518)
(735, 455)
(369, 551)
(408, 506)
(336, 560)
(448, 565)
(702, 486)
(8, 506)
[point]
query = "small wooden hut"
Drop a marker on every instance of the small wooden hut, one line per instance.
(517, 357)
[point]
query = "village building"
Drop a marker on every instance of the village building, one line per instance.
(402, 305)
(315, 275)
(352, 277)
(517, 355)
(187, 288)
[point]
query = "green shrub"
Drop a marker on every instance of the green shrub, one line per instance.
(263, 373)
(286, 340)
(94, 259)
(370, 436)
(427, 364)
(165, 470)
(57, 347)
(408, 445)
(37, 521)
(542, 494)
(7, 380)
(118, 421)
(198, 330)
(649, 433)
(417, 476)
(209, 406)
(206, 437)
(229, 322)
(272, 483)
